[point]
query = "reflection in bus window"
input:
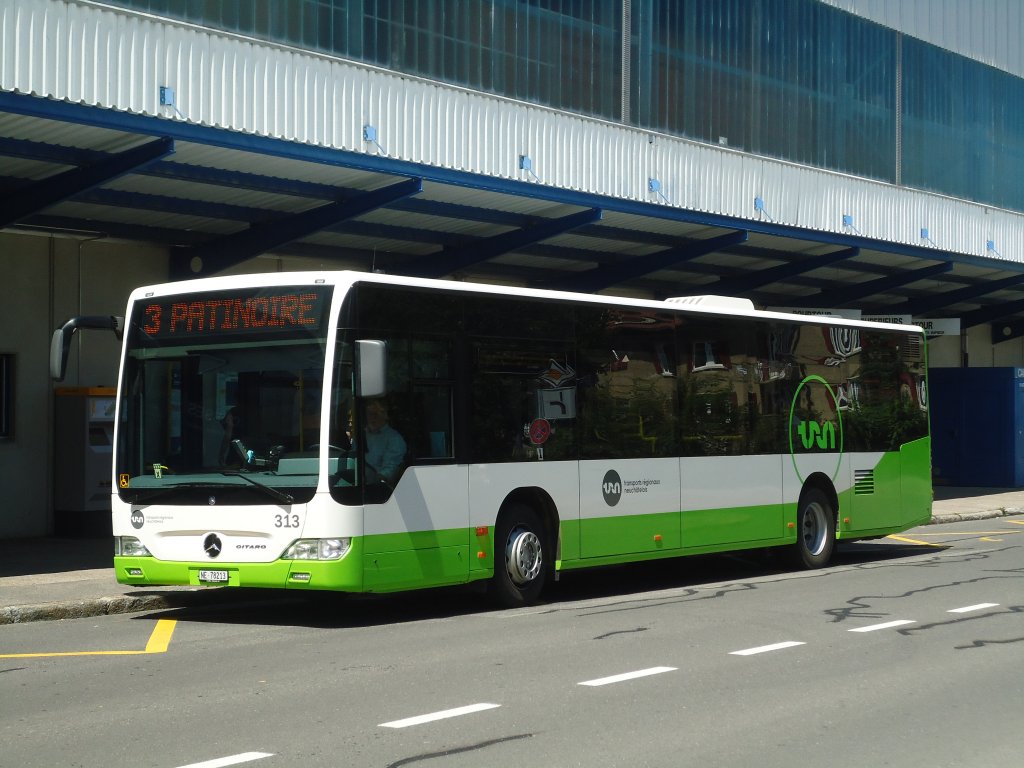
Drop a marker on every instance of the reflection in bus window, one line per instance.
(629, 394)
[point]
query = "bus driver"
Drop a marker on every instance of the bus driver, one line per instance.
(385, 447)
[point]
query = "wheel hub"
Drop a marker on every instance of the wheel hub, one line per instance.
(814, 526)
(523, 556)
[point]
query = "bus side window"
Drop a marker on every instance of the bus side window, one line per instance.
(434, 428)
(628, 384)
(420, 388)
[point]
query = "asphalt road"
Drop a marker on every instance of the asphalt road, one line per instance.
(900, 654)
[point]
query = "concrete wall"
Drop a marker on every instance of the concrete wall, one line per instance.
(45, 281)
(25, 311)
(944, 352)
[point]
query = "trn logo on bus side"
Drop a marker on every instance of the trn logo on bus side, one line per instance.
(611, 487)
(813, 435)
(815, 426)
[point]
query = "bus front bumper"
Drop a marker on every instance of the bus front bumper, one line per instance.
(344, 575)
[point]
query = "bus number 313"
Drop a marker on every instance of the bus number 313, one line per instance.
(286, 521)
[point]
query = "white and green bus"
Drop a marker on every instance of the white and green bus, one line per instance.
(524, 432)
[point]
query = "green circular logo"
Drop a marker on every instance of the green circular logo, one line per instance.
(811, 429)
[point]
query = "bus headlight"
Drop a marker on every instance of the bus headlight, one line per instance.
(129, 546)
(317, 549)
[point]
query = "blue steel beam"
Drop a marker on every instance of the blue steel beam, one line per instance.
(52, 190)
(992, 314)
(218, 177)
(179, 205)
(242, 180)
(607, 275)
(920, 306)
(751, 281)
(144, 233)
(61, 155)
(841, 296)
(50, 153)
(461, 212)
(233, 249)
(391, 232)
(453, 259)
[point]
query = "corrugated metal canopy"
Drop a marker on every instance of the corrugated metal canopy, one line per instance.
(226, 197)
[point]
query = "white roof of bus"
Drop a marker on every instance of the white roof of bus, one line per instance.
(715, 305)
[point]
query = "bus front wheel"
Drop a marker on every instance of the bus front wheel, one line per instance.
(816, 530)
(522, 557)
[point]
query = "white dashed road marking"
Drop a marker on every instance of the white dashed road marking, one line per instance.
(444, 715)
(766, 648)
(221, 762)
(628, 676)
(886, 625)
(978, 607)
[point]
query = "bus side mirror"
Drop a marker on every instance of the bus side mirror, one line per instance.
(60, 348)
(372, 365)
(60, 343)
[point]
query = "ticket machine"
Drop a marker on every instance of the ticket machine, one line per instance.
(84, 443)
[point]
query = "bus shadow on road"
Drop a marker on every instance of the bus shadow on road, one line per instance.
(327, 610)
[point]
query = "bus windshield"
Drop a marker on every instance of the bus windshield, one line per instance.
(221, 396)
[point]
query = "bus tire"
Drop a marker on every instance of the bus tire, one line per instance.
(815, 529)
(522, 557)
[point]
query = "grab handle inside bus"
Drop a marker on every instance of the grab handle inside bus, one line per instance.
(60, 344)
(372, 365)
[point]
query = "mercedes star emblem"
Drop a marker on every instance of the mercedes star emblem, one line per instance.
(212, 545)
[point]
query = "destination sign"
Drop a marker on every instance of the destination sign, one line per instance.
(242, 312)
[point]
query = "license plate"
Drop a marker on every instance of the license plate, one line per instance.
(213, 576)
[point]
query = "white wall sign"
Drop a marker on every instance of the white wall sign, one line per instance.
(946, 326)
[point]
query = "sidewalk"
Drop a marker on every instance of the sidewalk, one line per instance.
(53, 578)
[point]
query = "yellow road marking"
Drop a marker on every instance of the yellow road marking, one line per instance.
(1016, 522)
(158, 643)
(161, 637)
(914, 541)
(988, 538)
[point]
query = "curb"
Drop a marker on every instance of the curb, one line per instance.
(957, 517)
(81, 609)
(109, 606)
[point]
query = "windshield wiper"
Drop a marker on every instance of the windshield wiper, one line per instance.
(284, 498)
(156, 491)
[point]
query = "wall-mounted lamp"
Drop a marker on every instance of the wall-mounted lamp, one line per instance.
(848, 223)
(167, 99)
(370, 135)
(759, 207)
(526, 164)
(653, 185)
(991, 246)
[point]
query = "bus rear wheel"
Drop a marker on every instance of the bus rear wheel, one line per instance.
(522, 557)
(816, 530)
